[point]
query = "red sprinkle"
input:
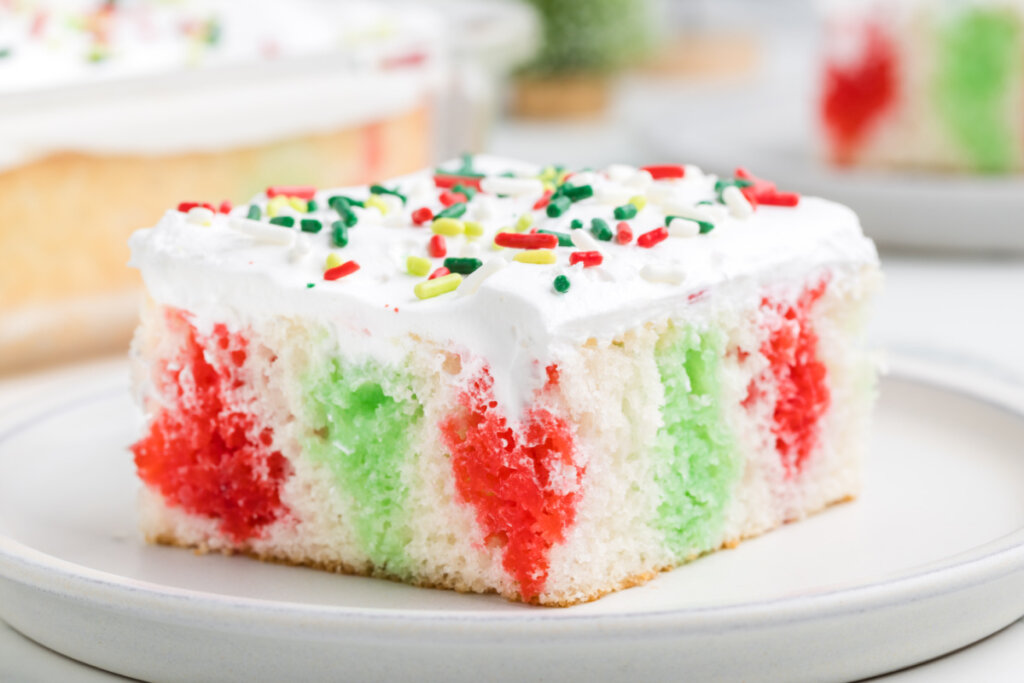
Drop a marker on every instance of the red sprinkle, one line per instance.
(652, 237)
(517, 240)
(225, 206)
(623, 233)
(300, 191)
(449, 180)
(750, 194)
(543, 201)
(448, 198)
(779, 199)
(764, 191)
(437, 247)
(422, 215)
(185, 207)
(346, 268)
(439, 272)
(665, 171)
(587, 258)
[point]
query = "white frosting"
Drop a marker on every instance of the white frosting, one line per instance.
(304, 66)
(514, 319)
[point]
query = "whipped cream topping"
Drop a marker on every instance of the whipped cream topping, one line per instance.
(225, 268)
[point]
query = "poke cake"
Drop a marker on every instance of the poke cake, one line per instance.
(500, 377)
(112, 111)
(932, 85)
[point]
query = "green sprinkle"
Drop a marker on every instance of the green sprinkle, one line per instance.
(558, 205)
(310, 285)
(343, 206)
(720, 186)
(469, 191)
(311, 206)
(562, 284)
(463, 266)
(5, 52)
(339, 233)
(625, 212)
(599, 229)
(441, 173)
(705, 227)
(284, 221)
(576, 224)
(311, 225)
(453, 211)
(254, 212)
(380, 189)
(564, 240)
(575, 194)
(705, 202)
(348, 201)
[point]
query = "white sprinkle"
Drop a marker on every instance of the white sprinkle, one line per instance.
(612, 193)
(421, 190)
(300, 249)
(393, 203)
(697, 213)
(738, 205)
(472, 282)
(682, 227)
(693, 173)
(470, 250)
(585, 178)
(481, 207)
(620, 173)
(511, 186)
(669, 274)
(583, 240)
(640, 180)
(199, 215)
(264, 233)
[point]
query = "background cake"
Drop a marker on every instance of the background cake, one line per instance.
(503, 378)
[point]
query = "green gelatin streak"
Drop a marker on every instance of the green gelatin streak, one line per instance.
(360, 418)
(698, 461)
(980, 59)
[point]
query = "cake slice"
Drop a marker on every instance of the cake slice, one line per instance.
(499, 377)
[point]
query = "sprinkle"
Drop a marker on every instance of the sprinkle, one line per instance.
(639, 201)
(342, 206)
(453, 211)
(778, 198)
(589, 259)
(185, 207)
(524, 223)
(664, 171)
(579, 193)
(473, 229)
(450, 180)
(467, 191)
(669, 274)
(377, 203)
(623, 233)
(511, 186)
(380, 189)
(283, 221)
(619, 172)
(561, 284)
(417, 265)
(311, 225)
(564, 238)
(339, 234)
(449, 197)
(543, 201)
(688, 227)
(477, 277)
(225, 206)
(333, 261)
(254, 212)
(599, 228)
(200, 215)
(641, 180)
(448, 226)
(652, 237)
(437, 247)
(558, 205)
(576, 224)
(312, 206)
(300, 249)
(342, 199)
(422, 215)
(693, 213)
(517, 240)
(428, 289)
(613, 194)
(299, 205)
(465, 266)
(582, 240)
(341, 271)
(738, 205)
(275, 205)
(536, 256)
(310, 285)
(440, 272)
(261, 232)
(625, 212)
(300, 191)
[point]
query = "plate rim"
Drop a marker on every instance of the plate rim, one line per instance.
(984, 563)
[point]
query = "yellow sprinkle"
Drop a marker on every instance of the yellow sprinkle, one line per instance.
(549, 173)
(540, 256)
(448, 226)
(275, 205)
(639, 201)
(562, 175)
(376, 202)
(549, 186)
(524, 223)
(299, 205)
(428, 289)
(417, 265)
(333, 261)
(473, 229)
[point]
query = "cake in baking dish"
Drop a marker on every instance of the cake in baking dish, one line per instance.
(919, 84)
(499, 377)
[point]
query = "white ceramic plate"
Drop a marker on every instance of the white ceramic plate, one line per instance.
(931, 558)
(770, 131)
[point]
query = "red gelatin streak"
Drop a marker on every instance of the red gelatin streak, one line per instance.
(437, 247)
(663, 171)
(587, 258)
(205, 452)
(522, 481)
(300, 191)
(652, 237)
(517, 240)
